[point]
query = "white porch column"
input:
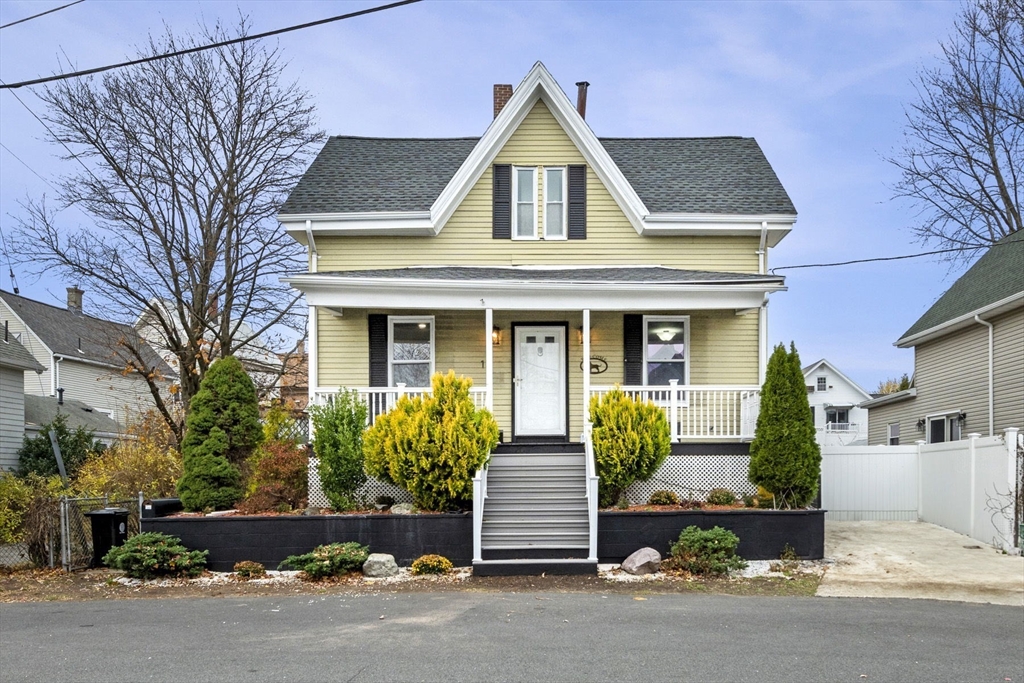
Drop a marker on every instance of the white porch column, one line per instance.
(762, 346)
(586, 368)
(489, 356)
(311, 354)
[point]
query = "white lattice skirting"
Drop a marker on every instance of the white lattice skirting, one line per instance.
(692, 476)
(369, 492)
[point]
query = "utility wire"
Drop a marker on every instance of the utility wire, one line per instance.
(41, 14)
(889, 258)
(27, 166)
(200, 48)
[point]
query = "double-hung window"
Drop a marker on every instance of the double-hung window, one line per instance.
(554, 203)
(410, 350)
(822, 384)
(666, 349)
(894, 434)
(524, 197)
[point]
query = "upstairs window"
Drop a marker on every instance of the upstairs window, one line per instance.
(554, 203)
(524, 213)
(822, 384)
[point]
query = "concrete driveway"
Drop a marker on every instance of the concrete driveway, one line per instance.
(917, 560)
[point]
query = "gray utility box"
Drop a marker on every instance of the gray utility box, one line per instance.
(109, 529)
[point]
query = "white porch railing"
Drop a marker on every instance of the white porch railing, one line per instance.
(841, 427)
(702, 412)
(380, 400)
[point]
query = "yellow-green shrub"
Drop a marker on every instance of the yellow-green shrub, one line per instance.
(15, 496)
(431, 564)
(631, 441)
(130, 466)
(432, 445)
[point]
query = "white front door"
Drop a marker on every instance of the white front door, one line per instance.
(540, 381)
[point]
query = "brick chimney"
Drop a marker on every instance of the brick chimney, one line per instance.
(581, 98)
(75, 299)
(502, 94)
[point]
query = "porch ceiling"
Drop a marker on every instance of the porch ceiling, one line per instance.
(533, 288)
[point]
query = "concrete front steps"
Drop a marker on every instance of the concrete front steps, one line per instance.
(535, 514)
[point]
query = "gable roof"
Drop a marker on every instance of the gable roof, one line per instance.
(14, 355)
(995, 281)
(40, 410)
(79, 336)
(696, 185)
(808, 370)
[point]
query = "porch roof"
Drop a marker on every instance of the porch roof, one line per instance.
(538, 288)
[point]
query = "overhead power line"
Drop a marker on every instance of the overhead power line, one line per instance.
(888, 258)
(2, 145)
(211, 46)
(42, 14)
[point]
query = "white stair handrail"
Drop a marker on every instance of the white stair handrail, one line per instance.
(592, 480)
(479, 496)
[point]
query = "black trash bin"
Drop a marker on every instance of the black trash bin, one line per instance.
(109, 529)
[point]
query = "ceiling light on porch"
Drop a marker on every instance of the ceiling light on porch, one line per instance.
(666, 335)
(496, 335)
(422, 326)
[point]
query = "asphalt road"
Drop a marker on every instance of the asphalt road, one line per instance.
(511, 637)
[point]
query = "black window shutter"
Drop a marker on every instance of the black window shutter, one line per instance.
(501, 221)
(378, 326)
(577, 202)
(633, 348)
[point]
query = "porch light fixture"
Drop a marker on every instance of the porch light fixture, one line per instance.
(666, 335)
(961, 418)
(579, 335)
(496, 335)
(920, 425)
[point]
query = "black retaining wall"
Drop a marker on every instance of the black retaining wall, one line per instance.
(269, 540)
(763, 533)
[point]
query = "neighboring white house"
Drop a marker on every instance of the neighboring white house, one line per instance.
(83, 357)
(15, 361)
(834, 398)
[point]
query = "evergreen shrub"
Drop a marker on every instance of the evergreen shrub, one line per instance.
(663, 498)
(36, 454)
(721, 496)
(431, 564)
(631, 441)
(247, 569)
(711, 551)
(333, 559)
(338, 445)
(785, 458)
(221, 432)
(152, 554)
(433, 445)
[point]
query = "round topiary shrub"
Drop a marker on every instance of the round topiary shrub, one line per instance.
(247, 569)
(333, 559)
(663, 498)
(431, 564)
(720, 496)
(711, 551)
(152, 554)
(631, 441)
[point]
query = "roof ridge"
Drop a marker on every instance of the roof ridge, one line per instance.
(382, 137)
(64, 309)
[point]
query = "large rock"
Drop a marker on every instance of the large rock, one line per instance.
(380, 564)
(643, 561)
(402, 509)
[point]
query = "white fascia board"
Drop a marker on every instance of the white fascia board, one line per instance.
(889, 398)
(551, 296)
(538, 85)
(724, 225)
(398, 223)
(965, 320)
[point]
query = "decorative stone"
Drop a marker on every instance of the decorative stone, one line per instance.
(310, 511)
(402, 509)
(379, 565)
(643, 561)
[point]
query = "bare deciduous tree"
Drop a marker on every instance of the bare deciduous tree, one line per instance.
(963, 156)
(185, 162)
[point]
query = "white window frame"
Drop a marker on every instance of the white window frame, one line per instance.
(564, 203)
(949, 418)
(889, 435)
(515, 203)
(819, 381)
(685, 319)
(392, 319)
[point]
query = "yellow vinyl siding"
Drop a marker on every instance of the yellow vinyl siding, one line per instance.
(723, 350)
(466, 238)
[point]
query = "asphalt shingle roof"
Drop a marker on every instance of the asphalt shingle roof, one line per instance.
(14, 355)
(995, 276)
(649, 275)
(40, 410)
(725, 175)
(76, 335)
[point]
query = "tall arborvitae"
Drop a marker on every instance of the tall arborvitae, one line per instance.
(785, 458)
(221, 432)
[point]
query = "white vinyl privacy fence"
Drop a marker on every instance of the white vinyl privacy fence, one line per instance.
(972, 486)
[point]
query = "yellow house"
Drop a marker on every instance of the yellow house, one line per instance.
(548, 265)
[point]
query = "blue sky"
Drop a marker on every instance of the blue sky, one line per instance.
(821, 86)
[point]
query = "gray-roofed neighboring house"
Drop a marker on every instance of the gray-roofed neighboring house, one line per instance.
(15, 361)
(81, 354)
(968, 358)
(41, 410)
